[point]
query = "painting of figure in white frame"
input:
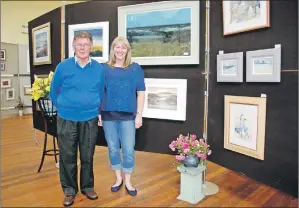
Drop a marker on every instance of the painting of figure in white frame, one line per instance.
(242, 16)
(165, 99)
(162, 33)
(100, 35)
(244, 125)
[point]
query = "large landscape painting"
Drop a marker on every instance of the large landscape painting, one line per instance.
(160, 33)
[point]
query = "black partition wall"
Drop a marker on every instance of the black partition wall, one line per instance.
(156, 134)
(54, 17)
(279, 169)
(280, 166)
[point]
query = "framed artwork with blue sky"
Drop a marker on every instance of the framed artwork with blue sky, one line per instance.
(100, 35)
(161, 33)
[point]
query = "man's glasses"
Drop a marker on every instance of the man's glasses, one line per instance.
(84, 45)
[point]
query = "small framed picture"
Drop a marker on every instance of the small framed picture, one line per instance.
(3, 54)
(230, 67)
(27, 90)
(5, 83)
(263, 65)
(2, 66)
(10, 94)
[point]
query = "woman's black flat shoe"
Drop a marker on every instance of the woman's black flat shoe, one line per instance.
(116, 188)
(132, 193)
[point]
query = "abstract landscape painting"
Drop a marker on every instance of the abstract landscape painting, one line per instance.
(229, 67)
(263, 65)
(160, 33)
(162, 98)
(97, 36)
(41, 45)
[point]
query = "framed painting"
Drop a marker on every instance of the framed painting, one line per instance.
(242, 16)
(27, 90)
(41, 41)
(3, 54)
(230, 67)
(244, 125)
(10, 94)
(2, 66)
(100, 35)
(162, 33)
(263, 65)
(5, 83)
(165, 99)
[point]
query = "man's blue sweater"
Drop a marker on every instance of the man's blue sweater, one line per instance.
(77, 92)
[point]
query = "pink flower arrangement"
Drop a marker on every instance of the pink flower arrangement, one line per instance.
(190, 145)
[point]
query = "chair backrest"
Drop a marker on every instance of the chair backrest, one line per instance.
(48, 110)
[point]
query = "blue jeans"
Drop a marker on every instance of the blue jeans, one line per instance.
(121, 133)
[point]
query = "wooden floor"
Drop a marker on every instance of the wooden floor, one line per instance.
(157, 181)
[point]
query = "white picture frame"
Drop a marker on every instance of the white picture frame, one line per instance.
(235, 21)
(5, 83)
(3, 54)
(263, 65)
(10, 94)
(230, 67)
(2, 66)
(165, 99)
(41, 44)
(158, 30)
(100, 33)
(245, 125)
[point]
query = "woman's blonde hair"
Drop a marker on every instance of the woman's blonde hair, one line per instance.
(125, 42)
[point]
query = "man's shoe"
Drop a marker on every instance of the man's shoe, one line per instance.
(116, 188)
(68, 200)
(90, 195)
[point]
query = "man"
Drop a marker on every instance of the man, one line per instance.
(77, 90)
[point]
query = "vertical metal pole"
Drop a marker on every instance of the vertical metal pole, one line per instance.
(207, 72)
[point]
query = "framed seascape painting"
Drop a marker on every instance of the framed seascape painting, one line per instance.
(263, 65)
(165, 99)
(3, 54)
(242, 16)
(41, 40)
(230, 67)
(100, 35)
(161, 33)
(244, 125)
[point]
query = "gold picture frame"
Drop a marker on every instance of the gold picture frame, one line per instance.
(27, 90)
(41, 44)
(236, 18)
(244, 125)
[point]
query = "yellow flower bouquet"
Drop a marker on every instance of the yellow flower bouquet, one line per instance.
(41, 87)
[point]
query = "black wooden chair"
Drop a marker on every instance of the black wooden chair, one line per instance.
(49, 113)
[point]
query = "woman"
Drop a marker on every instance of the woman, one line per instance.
(121, 111)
